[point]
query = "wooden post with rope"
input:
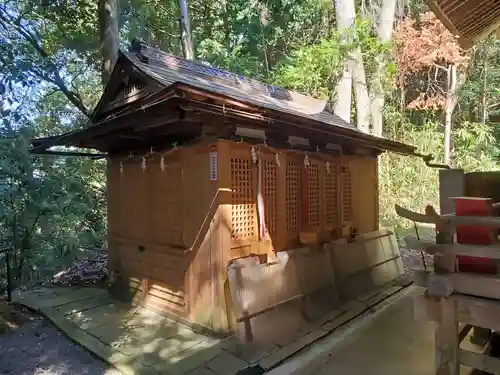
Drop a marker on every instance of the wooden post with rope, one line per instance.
(452, 297)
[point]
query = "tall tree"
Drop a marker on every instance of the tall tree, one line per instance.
(384, 34)
(344, 14)
(429, 56)
(361, 92)
(109, 36)
(484, 89)
(346, 17)
(185, 31)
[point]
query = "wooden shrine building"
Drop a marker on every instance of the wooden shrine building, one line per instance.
(207, 166)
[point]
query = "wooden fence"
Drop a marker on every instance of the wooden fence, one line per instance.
(302, 284)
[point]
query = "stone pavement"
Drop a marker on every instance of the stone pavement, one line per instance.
(137, 341)
(389, 342)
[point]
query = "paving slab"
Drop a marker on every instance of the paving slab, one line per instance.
(83, 304)
(389, 342)
(138, 341)
(96, 316)
(201, 371)
(189, 359)
(285, 352)
(392, 344)
(226, 364)
(248, 351)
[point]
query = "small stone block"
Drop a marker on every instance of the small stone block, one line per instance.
(344, 318)
(226, 364)
(287, 351)
(353, 305)
(328, 317)
(439, 286)
(249, 352)
(201, 371)
(383, 295)
(189, 359)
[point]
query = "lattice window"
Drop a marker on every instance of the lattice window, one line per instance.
(313, 195)
(269, 191)
(346, 194)
(331, 195)
(292, 196)
(243, 199)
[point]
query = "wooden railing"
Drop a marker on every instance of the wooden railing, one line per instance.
(451, 296)
(338, 272)
(204, 227)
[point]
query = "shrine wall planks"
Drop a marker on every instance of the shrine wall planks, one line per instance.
(178, 219)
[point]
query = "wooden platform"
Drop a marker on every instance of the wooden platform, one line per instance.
(137, 341)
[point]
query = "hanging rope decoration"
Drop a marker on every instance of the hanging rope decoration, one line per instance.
(277, 159)
(162, 163)
(253, 152)
(327, 165)
(260, 198)
(144, 158)
(307, 162)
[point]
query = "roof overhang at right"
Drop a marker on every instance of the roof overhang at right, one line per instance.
(470, 20)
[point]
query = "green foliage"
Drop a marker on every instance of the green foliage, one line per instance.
(313, 70)
(407, 181)
(52, 207)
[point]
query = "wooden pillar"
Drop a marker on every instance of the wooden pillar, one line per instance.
(451, 184)
(446, 339)
(220, 244)
(446, 336)
(281, 207)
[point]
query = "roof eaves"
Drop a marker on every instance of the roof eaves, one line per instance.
(312, 124)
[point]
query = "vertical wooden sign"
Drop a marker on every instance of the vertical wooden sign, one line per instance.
(213, 156)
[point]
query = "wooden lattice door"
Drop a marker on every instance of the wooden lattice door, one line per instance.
(331, 196)
(244, 195)
(293, 197)
(312, 218)
(269, 175)
(346, 193)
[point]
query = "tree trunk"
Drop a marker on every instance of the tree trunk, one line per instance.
(484, 92)
(344, 14)
(353, 69)
(343, 92)
(449, 108)
(361, 92)
(186, 38)
(109, 36)
(447, 134)
(384, 31)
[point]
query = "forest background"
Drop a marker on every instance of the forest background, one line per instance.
(401, 73)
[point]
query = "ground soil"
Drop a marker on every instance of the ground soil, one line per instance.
(30, 345)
